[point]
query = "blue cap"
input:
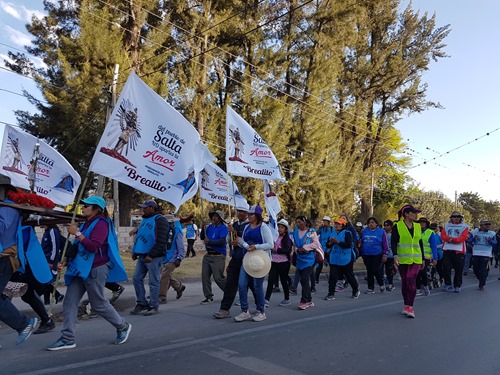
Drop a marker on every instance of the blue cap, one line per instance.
(95, 199)
(149, 203)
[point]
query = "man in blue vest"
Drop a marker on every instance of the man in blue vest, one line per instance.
(9, 224)
(150, 247)
(214, 261)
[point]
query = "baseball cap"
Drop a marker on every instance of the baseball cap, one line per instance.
(341, 220)
(255, 210)
(95, 199)
(359, 224)
(149, 203)
(409, 208)
(484, 222)
(242, 206)
(327, 218)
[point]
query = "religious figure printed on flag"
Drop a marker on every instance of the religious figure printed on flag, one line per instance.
(238, 145)
(67, 183)
(188, 182)
(205, 179)
(14, 154)
(127, 132)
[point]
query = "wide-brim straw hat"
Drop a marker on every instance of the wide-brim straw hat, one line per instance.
(257, 263)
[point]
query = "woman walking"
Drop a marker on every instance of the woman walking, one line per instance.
(96, 262)
(256, 236)
(342, 257)
(374, 249)
(408, 252)
(280, 263)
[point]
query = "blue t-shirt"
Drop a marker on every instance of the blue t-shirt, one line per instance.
(215, 233)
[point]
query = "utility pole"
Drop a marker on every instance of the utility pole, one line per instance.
(101, 180)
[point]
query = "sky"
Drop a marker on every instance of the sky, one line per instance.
(465, 83)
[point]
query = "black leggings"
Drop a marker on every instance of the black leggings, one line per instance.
(280, 270)
(30, 296)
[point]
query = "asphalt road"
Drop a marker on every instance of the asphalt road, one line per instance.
(452, 334)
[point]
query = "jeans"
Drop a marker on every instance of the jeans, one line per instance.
(305, 278)
(278, 270)
(348, 273)
(372, 264)
(408, 273)
(481, 268)
(258, 284)
(9, 314)
(456, 261)
(467, 262)
(94, 286)
(141, 269)
(167, 280)
(231, 286)
(212, 265)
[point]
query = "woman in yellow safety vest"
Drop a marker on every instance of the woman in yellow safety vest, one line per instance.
(406, 243)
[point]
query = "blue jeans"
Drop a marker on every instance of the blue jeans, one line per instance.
(141, 269)
(9, 314)
(258, 285)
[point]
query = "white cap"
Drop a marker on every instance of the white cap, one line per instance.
(359, 224)
(327, 218)
(242, 206)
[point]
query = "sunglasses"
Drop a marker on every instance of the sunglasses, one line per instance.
(458, 217)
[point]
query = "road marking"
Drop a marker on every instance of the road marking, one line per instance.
(204, 340)
(254, 364)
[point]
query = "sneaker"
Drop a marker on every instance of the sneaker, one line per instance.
(266, 303)
(138, 309)
(411, 312)
(389, 288)
(419, 292)
(313, 291)
(340, 284)
(329, 298)
(356, 295)
(427, 291)
(206, 301)
(276, 289)
(303, 305)
(448, 288)
(222, 314)
(310, 304)
(339, 289)
(293, 292)
(59, 298)
(27, 331)
(116, 294)
(405, 310)
(150, 311)
(179, 293)
(382, 289)
(244, 315)
(61, 344)
(285, 302)
(45, 327)
(122, 334)
(259, 317)
(162, 300)
(370, 291)
(458, 290)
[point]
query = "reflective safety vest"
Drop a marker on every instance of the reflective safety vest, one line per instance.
(409, 251)
(427, 246)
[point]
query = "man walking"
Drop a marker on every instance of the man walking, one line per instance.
(454, 235)
(482, 240)
(149, 249)
(172, 259)
(214, 260)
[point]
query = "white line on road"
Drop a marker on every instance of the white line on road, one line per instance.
(254, 364)
(204, 340)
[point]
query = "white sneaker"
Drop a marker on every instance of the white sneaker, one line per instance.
(245, 315)
(259, 317)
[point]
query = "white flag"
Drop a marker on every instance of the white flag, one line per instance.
(247, 154)
(216, 186)
(55, 178)
(273, 207)
(148, 145)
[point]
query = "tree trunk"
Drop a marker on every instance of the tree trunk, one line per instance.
(126, 197)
